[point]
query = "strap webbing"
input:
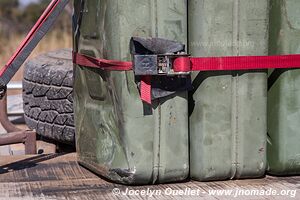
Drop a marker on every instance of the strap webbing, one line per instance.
(184, 64)
(238, 62)
(146, 89)
(111, 65)
(114, 65)
(39, 30)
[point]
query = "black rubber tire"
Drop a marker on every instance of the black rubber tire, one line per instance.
(48, 96)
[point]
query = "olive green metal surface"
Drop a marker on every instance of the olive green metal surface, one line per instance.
(117, 136)
(284, 95)
(228, 109)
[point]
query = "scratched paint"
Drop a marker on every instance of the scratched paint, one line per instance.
(117, 136)
(228, 111)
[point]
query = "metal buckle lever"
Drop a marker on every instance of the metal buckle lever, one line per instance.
(161, 64)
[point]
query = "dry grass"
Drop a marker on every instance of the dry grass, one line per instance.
(52, 41)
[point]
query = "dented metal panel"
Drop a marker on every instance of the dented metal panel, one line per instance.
(228, 109)
(118, 136)
(284, 91)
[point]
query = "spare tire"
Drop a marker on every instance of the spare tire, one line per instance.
(48, 96)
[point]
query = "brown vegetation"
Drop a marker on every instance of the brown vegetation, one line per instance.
(15, 23)
(54, 40)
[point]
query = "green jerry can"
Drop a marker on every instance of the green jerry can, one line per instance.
(284, 91)
(228, 108)
(119, 137)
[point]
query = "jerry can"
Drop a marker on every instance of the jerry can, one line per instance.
(284, 91)
(228, 108)
(117, 136)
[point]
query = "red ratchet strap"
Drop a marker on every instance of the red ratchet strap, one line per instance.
(187, 64)
(112, 65)
(44, 23)
(236, 63)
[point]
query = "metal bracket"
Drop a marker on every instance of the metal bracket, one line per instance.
(2, 91)
(15, 135)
